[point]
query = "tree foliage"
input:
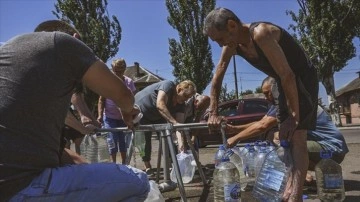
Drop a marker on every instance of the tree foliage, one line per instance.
(225, 95)
(191, 56)
(98, 30)
(326, 30)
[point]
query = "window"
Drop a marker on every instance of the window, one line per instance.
(229, 110)
(251, 107)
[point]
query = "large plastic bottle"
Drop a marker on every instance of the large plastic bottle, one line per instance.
(139, 142)
(226, 182)
(249, 167)
(329, 180)
(271, 182)
(219, 155)
(259, 159)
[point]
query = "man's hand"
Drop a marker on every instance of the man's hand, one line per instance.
(230, 129)
(214, 122)
(231, 142)
(287, 128)
(89, 128)
(129, 117)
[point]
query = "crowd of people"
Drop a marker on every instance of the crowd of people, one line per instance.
(43, 73)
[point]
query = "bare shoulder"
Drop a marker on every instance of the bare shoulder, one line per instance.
(265, 32)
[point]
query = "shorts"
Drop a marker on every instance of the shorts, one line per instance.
(119, 137)
(87, 182)
(308, 89)
(314, 149)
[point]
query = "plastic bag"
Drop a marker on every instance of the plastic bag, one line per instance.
(186, 166)
(154, 194)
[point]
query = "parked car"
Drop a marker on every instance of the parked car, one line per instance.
(237, 112)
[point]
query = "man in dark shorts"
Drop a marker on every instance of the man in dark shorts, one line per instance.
(275, 52)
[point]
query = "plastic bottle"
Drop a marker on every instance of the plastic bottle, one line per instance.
(329, 180)
(259, 159)
(103, 148)
(139, 142)
(249, 167)
(226, 182)
(271, 182)
(219, 155)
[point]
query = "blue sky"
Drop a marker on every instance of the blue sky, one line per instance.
(145, 33)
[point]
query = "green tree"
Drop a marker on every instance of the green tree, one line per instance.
(258, 89)
(191, 56)
(225, 95)
(99, 31)
(326, 30)
(247, 92)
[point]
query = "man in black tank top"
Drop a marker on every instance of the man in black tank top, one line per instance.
(273, 51)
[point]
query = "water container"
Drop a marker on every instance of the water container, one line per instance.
(226, 182)
(95, 148)
(329, 180)
(186, 167)
(249, 167)
(219, 155)
(259, 159)
(139, 142)
(235, 159)
(271, 181)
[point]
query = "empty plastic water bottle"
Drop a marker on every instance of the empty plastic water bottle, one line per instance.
(271, 181)
(249, 167)
(219, 155)
(226, 182)
(259, 159)
(329, 180)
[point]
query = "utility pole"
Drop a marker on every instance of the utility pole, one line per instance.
(235, 76)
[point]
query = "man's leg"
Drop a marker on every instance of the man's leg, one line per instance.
(300, 165)
(87, 182)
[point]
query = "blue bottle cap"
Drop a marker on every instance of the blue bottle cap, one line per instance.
(222, 147)
(229, 152)
(225, 158)
(325, 154)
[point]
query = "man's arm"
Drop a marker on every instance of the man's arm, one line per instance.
(77, 99)
(101, 106)
(161, 101)
(99, 79)
(226, 53)
(254, 129)
(71, 121)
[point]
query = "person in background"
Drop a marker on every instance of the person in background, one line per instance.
(326, 136)
(275, 52)
(195, 107)
(38, 74)
(163, 102)
(110, 115)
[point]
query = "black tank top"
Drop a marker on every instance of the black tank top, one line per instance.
(294, 53)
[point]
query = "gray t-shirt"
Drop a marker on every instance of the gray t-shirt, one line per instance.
(146, 100)
(38, 72)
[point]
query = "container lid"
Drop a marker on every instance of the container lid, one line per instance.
(285, 143)
(325, 154)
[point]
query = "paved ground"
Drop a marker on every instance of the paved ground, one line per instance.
(196, 191)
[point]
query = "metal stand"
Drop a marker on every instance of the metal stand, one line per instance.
(166, 145)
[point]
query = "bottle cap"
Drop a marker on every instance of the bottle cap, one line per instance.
(221, 147)
(325, 154)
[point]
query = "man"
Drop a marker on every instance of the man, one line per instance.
(110, 115)
(160, 103)
(325, 137)
(38, 74)
(194, 109)
(272, 50)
